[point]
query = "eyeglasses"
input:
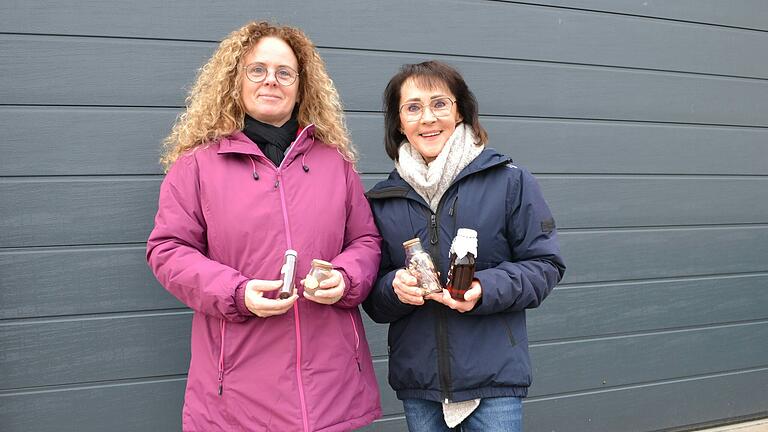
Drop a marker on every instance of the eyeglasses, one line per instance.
(413, 111)
(257, 72)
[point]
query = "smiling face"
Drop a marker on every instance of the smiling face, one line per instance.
(269, 101)
(428, 134)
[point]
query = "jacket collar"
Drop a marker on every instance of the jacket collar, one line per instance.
(239, 143)
(395, 187)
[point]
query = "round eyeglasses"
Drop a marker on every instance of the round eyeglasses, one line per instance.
(413, 111)
(257, 72)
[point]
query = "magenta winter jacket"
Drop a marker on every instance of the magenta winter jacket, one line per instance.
(226, 215)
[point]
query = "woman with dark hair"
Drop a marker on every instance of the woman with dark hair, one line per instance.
(261, 172)
(457, 362)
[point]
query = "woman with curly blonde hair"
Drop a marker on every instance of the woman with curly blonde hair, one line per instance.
(260, 185)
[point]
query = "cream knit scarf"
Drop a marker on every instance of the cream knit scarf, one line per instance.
(432, 180)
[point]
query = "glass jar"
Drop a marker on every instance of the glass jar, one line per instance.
(318, 272)
(419, 264)
(288, 274)
(462, 268)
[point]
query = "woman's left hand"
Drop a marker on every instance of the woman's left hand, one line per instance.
(329, 291)
(471, 298)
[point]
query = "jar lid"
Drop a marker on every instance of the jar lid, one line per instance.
(322, 264)
(466, 232)
(465, 242)
(411, 242)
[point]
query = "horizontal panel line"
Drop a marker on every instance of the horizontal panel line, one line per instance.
(591, 230)
(743, 423)
(38, 178)
(643, 333)
(646, 176)
(151, 313)
(653, 17)
(659, 280)
(91, 106)
(88, 385)
(14, 179)
(14, 250)
(389, 417)
(627, 121)
(485, 115)
(79, 178)
(110, 37)
(664, 278)
(698, 377)
(606, 67)
(482, 115)
(80, 107)
(444, 55)
(662, 228)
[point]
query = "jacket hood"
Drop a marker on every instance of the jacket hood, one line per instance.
(239, 143)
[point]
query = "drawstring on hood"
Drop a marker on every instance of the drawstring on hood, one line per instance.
(304, 165)
(253, 164)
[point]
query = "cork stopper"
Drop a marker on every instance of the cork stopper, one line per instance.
(325, 265)
(411, 242)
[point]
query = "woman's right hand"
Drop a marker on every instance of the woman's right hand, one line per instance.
(265, 307)
(407, 289)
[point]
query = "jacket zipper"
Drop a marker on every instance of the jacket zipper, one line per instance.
(223, 329)
(279, 186)
(443, 364)
(223, 325)
(289, 241)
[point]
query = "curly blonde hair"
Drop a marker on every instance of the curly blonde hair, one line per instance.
(214, 104)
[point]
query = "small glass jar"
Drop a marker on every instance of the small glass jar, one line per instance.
(461, 272)
(318, 272)
(288, 274)
(419, 264)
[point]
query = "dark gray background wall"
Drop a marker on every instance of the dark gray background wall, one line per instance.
(646, 123)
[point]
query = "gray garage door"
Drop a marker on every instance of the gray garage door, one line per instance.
(646, 123)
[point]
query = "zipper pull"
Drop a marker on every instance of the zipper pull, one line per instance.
(277, 181)
(433, 226)
(221, 379)
(359, 367)
(453, 206)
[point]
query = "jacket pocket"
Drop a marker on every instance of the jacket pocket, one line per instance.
(356, 335)
(510, 335)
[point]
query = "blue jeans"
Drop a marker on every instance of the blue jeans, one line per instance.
(492, 415)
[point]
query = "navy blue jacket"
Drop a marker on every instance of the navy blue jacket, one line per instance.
(439, 354)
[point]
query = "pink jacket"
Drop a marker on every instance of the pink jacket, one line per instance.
(226, 215)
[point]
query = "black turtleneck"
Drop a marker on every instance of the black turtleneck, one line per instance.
(272, 140)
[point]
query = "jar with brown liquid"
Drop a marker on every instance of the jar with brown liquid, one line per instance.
(318, 272)
(419, 264)
(462, 268)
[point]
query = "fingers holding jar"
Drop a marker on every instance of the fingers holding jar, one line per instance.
(326, 288)
(407, 289)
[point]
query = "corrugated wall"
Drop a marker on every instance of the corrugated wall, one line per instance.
(646, 123)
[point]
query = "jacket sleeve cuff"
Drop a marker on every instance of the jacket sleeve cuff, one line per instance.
(242, 309)
(347, 282)
(344, 301)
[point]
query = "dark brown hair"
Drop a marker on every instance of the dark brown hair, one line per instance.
(430, 74)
